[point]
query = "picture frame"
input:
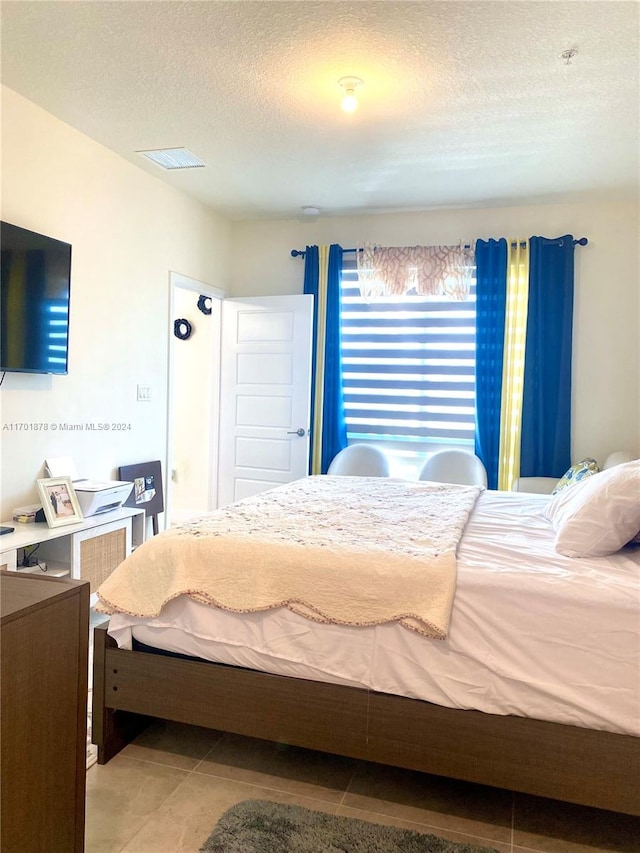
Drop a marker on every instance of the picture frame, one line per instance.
(59, 501)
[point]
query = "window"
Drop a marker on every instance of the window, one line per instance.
(408, 369)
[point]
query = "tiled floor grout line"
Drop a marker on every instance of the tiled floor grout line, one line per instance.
(267, 788)
(525, 849)
(347, 786)
(155, 763)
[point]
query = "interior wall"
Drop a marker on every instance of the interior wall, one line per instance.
(128, 230)
(606, 363)
(194, 407)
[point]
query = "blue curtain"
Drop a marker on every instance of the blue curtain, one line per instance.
(328, 401)
(311, 282)
(491, 299)
(546, 408)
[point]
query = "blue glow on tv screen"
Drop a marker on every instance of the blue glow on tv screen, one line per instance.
(34, 301)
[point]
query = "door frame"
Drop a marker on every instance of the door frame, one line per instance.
(183, 282)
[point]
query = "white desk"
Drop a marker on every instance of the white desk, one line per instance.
(89, 550)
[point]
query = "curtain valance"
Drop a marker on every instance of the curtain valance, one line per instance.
(428, 270)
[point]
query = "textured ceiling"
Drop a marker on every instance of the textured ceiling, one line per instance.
(464, 103)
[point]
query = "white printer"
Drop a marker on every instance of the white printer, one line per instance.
(93, 496)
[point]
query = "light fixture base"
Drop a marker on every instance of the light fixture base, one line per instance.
(350, 84)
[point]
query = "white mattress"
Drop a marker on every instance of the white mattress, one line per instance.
(532, 633)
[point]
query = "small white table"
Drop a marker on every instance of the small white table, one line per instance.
(89, 550)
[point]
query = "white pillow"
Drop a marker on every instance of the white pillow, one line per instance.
(599, 515)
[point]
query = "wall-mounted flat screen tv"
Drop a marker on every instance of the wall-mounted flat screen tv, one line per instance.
(34, 301)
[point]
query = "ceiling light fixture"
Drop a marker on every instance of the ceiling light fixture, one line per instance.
(310, 210)
(349, 85)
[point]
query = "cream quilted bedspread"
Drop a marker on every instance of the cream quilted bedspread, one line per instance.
(344, 550)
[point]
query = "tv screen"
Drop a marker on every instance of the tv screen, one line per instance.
(34, 301)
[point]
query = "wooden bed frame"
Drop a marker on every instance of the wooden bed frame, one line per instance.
(578, 765)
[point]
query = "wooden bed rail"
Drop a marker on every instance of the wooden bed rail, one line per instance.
(593, 768)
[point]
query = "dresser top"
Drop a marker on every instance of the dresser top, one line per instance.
(20, 592)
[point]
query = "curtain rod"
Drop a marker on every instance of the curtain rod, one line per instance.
(300, 253)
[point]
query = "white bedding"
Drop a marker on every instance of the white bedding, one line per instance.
(532, 633)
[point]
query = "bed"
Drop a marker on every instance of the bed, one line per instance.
(525, 678)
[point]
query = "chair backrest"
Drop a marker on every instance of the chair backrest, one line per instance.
(617, 458)
(360, 460)
(454, 466)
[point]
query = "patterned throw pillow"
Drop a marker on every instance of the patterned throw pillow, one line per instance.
(577, 472)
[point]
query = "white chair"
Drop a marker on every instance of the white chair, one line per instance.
(546, 485)
(619, 457)
(360, 460)
(454, 466)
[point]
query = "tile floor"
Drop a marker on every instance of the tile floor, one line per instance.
(164, 793)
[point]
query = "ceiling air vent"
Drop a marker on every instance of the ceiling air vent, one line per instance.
(173, 158)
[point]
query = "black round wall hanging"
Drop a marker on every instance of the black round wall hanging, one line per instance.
(204, 304)
(182, 329)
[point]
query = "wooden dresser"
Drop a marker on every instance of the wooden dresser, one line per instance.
(44, 637)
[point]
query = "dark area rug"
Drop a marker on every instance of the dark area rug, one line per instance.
(259, 826)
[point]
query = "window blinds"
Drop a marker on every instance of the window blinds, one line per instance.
(408, 365)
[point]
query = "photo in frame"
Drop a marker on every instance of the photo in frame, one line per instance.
(59, 501)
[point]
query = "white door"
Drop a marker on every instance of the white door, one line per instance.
(265, 394)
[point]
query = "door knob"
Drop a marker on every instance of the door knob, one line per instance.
(299, 432)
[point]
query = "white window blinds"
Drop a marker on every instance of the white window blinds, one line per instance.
(408, 366)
